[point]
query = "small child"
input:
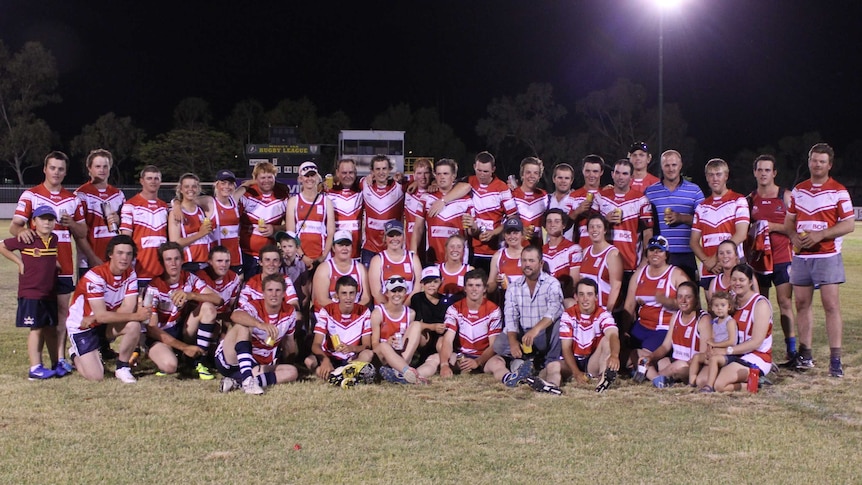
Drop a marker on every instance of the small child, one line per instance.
(724, 334)
(292, 265)
(37, 297)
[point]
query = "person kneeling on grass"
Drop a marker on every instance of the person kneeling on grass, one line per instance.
(475, 321)
(683, 339)
(247, 355)
(37, 298)
(589, 338)
(719, 332)
(343, 332)
(107, 296)
(395, 335)
(185, 310)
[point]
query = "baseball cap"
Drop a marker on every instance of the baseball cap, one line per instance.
(342, 235)
(393, 226)
(513, 224)
(44, 210)
(280, 235)
(430, 273)
(658, 242)
(639, 145)
(395, 283)
(225, 175)
(307, 167)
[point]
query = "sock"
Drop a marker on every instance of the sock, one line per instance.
(266, 379)
(204, 339)
(790, 342)
(121, 364)
(804, 351)
(34, 367)
(503, 380)
(243, 355)
(835, 353)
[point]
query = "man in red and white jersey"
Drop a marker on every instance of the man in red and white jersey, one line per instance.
(96, 196)
(562, 256)
(177, 296)
(309, 215)
(629, 213)
(107, 296)
(448, 221)
(221, 278)
(346, 198)
(723, 215)
(342, 333)
(589, 338)
(476, 322)
(261, 215)
(70, 223)
(247, 355)
(585, 200)
(414, 203)
(145, 219)
(531, 201)
(769, 204)
(270, 263)
(820, 214)
(640, 158)
(384, 201)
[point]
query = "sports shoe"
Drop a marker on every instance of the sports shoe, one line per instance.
(125, 374)
(107, 353)
(538, 384)
(66, 365)
(640, 375)
(59, 370)
(803, 363)
(227, 384)
(512, 379)
(608, 378)
(204, 374)
(707, 389)
(160, 374)
(391, 375)
(835, 369)
(662, 382)
(40, 372)
(250, 386)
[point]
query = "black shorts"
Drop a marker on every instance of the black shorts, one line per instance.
(779, 276)
(65, 285)
(35, 314)
(176, 332)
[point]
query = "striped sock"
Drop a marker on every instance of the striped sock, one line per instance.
(266, 379)
(205, 338)
(243, 355)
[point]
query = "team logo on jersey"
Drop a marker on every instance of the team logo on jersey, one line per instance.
(92, 288)
(37, 252)
(29, 321)
(224, 231)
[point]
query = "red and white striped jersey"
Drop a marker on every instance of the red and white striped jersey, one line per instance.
(577, 198)
(284, 320)
(562, 257)
(585, 331)
(452, 283)
(715, 219)
(474, 327)
(253, 290)
(148, 222)
(641, 184)
(685, 338)
(492, 202)
(595, 267)
(227, 287)
(382, 204)
(403, 268)
(531, 206)
(168, 313)
(255, 206)
(510, 266)
(390, 325)
(198, 251)
(99, 284)
(310, 217)
(446, 223)
(61, 202)
(414, 206)
(226, 228)
(636, 214)
(744, 316)
(348, 214)
(335, 274)
(98, 235)
(818, 207)
(652, 314)
(350, 328)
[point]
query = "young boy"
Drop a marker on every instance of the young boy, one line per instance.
(342, 333)
(37, 297)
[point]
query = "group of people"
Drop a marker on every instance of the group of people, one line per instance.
(429, 274)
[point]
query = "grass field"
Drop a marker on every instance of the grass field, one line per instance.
(804, 429)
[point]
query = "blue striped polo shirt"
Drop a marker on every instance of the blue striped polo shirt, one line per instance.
(683, 199)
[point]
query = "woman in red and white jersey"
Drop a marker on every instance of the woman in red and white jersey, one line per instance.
(602, 263)
(727, 257)
(453, 269)
(192, 229)
(309, 215)
(506, 263)
(393, 261)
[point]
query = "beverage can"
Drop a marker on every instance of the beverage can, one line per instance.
(327, 181)
(399, 341)
(527, 349)
(261, 224)
(149, 295)
(336, 342)
(753, 379)
(270, 341)
(590, 197)
(107, 211)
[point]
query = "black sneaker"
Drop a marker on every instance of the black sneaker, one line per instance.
(608, 378)
(540, 385)
(835, 369)
(804, 363)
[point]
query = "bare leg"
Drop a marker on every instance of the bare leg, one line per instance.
(831, 306)
(804, 314)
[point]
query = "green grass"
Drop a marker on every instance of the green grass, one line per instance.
(805, 428)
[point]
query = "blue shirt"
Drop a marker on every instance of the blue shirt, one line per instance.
(683, 199)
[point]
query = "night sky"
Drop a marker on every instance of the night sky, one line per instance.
(744, 72)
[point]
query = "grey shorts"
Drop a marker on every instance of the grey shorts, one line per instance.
(817, 271)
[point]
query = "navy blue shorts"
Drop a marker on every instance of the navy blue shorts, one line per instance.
(85, 342)
(65, 285)
(582, 362)
(175, 332)
(34, 314)
(646, 339)
(223, 367)
(779, 276)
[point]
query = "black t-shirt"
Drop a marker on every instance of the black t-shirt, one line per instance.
(426, 311)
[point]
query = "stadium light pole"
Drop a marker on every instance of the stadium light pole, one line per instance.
(663, 7)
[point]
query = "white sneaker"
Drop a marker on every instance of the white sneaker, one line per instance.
(125, 375)
(250, 386)
(228, 384)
